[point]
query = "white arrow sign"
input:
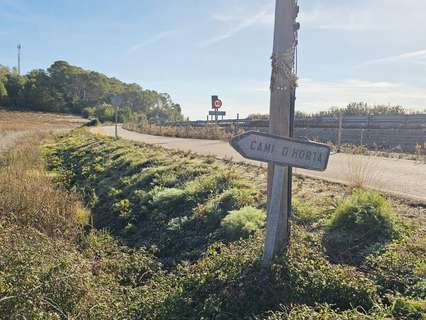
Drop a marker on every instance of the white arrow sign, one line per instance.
(283, 151)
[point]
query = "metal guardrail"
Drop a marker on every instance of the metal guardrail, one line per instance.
(356, 122)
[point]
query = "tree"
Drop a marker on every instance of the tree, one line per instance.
(67, 88)
(14, 87)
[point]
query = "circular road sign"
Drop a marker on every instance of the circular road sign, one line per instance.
(218, 104)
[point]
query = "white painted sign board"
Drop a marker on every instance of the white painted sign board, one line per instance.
(282, 151)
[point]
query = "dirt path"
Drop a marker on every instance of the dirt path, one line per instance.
(404, 178)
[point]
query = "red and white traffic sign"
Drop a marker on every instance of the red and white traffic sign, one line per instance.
(217, 104)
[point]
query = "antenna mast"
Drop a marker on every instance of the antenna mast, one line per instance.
(19, 58)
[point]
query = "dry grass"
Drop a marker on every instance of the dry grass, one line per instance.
(29, 197)
(12, 121)
(363, 172)
(212, 132)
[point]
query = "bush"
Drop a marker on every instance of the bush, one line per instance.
(89, 112)
(409, 309)
(243, 223)
(361, 222)
(305, 213)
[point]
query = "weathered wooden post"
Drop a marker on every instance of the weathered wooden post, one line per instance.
(284, 152)
(278, 148)
(283, 86)
(116, 102)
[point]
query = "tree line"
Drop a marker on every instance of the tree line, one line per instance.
(65, 88)
(352, 109)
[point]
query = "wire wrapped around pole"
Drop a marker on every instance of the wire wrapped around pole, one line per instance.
(283, 71)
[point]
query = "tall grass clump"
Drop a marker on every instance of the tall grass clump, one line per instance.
(360, 222)
(362, 171)
(243, 223)
(28, 196)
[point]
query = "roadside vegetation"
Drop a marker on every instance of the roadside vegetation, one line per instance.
(211, 132)
(173, 235)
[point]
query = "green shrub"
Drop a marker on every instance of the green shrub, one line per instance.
(169, 199)
(305, 213)
(404, 308)
(321, 312)
(360, 223)
(243, 223)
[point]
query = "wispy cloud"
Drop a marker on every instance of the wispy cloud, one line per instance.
(152, 40)
(415, 56)
(243, 22)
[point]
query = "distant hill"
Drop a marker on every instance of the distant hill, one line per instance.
(70, 89)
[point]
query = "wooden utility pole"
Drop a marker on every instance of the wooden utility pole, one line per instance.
(283, 86)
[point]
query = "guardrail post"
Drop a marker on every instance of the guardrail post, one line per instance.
(339, 133)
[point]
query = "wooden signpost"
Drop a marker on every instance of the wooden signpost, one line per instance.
(281, 152)
(283, 96)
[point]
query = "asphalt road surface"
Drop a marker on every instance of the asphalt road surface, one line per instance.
(406, 178)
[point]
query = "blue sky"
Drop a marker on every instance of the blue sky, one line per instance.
(364, 50)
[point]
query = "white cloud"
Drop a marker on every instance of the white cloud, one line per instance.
(242, 20)
(152, 40)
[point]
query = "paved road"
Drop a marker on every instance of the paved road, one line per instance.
(405, 178)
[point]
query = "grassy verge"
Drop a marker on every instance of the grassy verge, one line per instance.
(182, 239)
